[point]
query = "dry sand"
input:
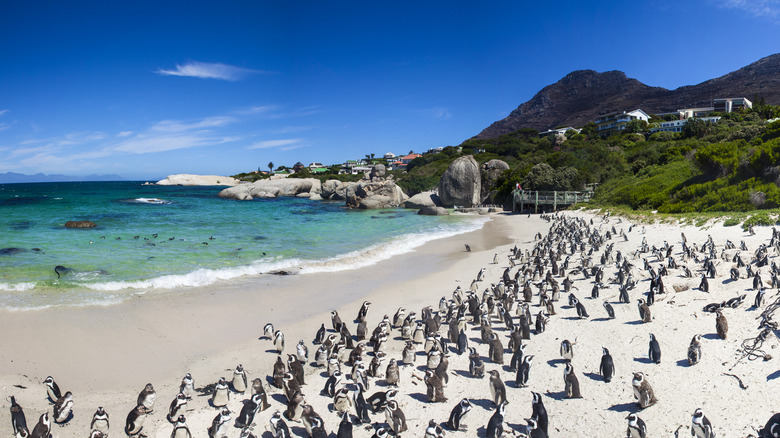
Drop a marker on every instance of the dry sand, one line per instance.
(105, 355)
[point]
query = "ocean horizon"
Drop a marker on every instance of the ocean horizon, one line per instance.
(152, 239)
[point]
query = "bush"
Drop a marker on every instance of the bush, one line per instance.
(759, 219)
(730, 222)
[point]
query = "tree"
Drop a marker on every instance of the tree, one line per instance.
(270, 167)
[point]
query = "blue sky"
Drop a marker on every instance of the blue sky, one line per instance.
(145, 89)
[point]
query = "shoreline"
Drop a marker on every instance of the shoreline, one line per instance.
(159, 337)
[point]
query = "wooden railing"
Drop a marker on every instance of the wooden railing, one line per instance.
(554, 198)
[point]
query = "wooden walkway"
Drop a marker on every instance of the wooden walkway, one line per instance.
(557, 199)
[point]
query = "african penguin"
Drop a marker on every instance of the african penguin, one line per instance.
(636, 427)
(654, 353)
(694, 350)
(456, 415)
(607, 367)
(495, 426)
(701, 427)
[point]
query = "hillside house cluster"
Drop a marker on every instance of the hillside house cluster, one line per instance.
(618, 121)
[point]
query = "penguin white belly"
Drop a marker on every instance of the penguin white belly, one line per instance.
(220, 398)
(238, 383)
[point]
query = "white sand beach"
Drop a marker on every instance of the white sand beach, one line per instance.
(105, 355)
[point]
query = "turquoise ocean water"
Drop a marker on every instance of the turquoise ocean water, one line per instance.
(157, 238)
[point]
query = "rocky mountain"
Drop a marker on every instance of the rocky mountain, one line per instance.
(583, 95)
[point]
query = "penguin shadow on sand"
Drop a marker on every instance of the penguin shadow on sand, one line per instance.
(645, 360)
(773, 376)
(594, 376)
(484, 403)
(683, 363)
(557, 396)
(635, 322)
(465, 373)
(555, 362)
(297, 430)
(624, 407)
(420, 397)
(600, 319)
(280, 398)
(710, 336)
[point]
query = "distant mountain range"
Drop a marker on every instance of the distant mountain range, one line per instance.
(11, 177)
(581, 96)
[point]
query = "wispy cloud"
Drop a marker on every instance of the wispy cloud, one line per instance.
(438, 112)
(758, 8)
(284, 144)
(3, 112)
(207, 70)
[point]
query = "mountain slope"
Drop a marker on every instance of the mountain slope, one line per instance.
(583, 95)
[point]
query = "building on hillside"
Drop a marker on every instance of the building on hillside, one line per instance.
(408, 159)
(397, 165)
(559, 131)
(390, 157)
(315, 165)
(298, 167)
(677, 125)
(730, 104)
(435, 150)
(617, 121)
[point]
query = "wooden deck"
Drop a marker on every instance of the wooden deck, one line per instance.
(523, 198)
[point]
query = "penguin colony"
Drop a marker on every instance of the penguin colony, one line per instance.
(384, 375)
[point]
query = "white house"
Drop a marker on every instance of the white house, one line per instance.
(729, 104)
(559, 131)
(617, 121)
(677, 125)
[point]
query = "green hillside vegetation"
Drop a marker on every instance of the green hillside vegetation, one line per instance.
(732, 165)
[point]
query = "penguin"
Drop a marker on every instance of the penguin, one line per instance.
(52, 390)
(581, 312)
(302, 351)
(476, 366)
(644, 311)
(701, 427)
(259, 389)
(434, 358)
(332, 384)
(609, 309)
(495, 426)
(496, 350)
(435, 387)
(497, 388)
(295, 368)
(567, 350)
(346, 337)
(335, 320)
(643, 392)
(279, 341)
(541, 322)
(517, 358)
(248, 411)
(362, 330)
(463, 342)
(399, 316)
(395, 417)
(341, 400)
(363, 311)
(345, 427)
(146, 397)
(239, 379)
(333, 364)
(607, 367)
(135, 420)
(63, 408)
(654, 352)
(43, 428)
(538, 411)
(278, 374)
(291, 385)
(279, 428)
(187, 386)
(176, 407)
(180, 429)
(268, 331)
(294, 406)
(320, 336)
(419, 334)
(468, 248)
(100, 421)
(221, 394)
(571, 383)
(704, 286)
(456, 415)
(533, 429)
(694, 350)
(392, 374)
(318, 428)
(219, 425)
(18, 420)
(379, 399)
(636, 427)
(361, 406)
(521, 379)
(721, 324)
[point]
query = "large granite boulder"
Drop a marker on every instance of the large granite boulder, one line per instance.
(268, 188)
(197, 180)
(377, 172)
(374, 195)
(330, 187)
(461, 183)
(424, 199)
(433, 211)
(80, 224)
(491, 171)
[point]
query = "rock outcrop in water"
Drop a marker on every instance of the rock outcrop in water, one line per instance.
(80, 224)
(424, 199)
(461, 183)
(374, 194)
(197, 180)
(273, 188)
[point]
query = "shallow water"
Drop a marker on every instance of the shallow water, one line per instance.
(157, 238)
